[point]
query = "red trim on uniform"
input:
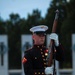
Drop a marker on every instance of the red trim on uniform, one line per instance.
(46, 51)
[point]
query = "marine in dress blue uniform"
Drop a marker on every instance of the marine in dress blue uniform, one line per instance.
(34, 61)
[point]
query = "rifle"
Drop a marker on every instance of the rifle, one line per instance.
(51, 49)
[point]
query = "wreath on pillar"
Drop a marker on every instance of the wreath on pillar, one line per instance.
(26, 46)
(3, 48)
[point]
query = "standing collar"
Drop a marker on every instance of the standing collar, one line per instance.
(39, 46)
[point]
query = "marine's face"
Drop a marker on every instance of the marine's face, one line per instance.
(38, 39)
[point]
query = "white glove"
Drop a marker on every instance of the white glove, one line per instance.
(49, 70)
(54, 37)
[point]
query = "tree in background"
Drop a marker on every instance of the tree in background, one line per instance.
(54, 5)
(67, 29)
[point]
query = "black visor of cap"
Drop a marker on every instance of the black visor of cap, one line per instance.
(40, 32)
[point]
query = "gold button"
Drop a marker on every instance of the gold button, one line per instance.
(35, 57)
(38, 46)
(41, 52)
(42, 72)
(55, 50)
(44, 63)
(44, 59)
(35, 73)
(42, 55)
(41, 49)
(46, 54)
(38, 72)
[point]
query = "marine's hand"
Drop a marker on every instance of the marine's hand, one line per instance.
(49, 70)
(54, 37)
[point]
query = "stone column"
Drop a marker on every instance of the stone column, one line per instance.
(3, 55)
(73, 53)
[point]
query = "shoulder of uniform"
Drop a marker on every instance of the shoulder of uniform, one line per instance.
(28, 49)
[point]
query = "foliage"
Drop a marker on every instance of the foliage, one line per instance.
(67, 29)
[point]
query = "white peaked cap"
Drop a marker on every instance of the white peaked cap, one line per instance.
(39, 28)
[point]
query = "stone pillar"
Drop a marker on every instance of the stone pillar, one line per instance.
(3, 55)
(73, 53)
(26, 42)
